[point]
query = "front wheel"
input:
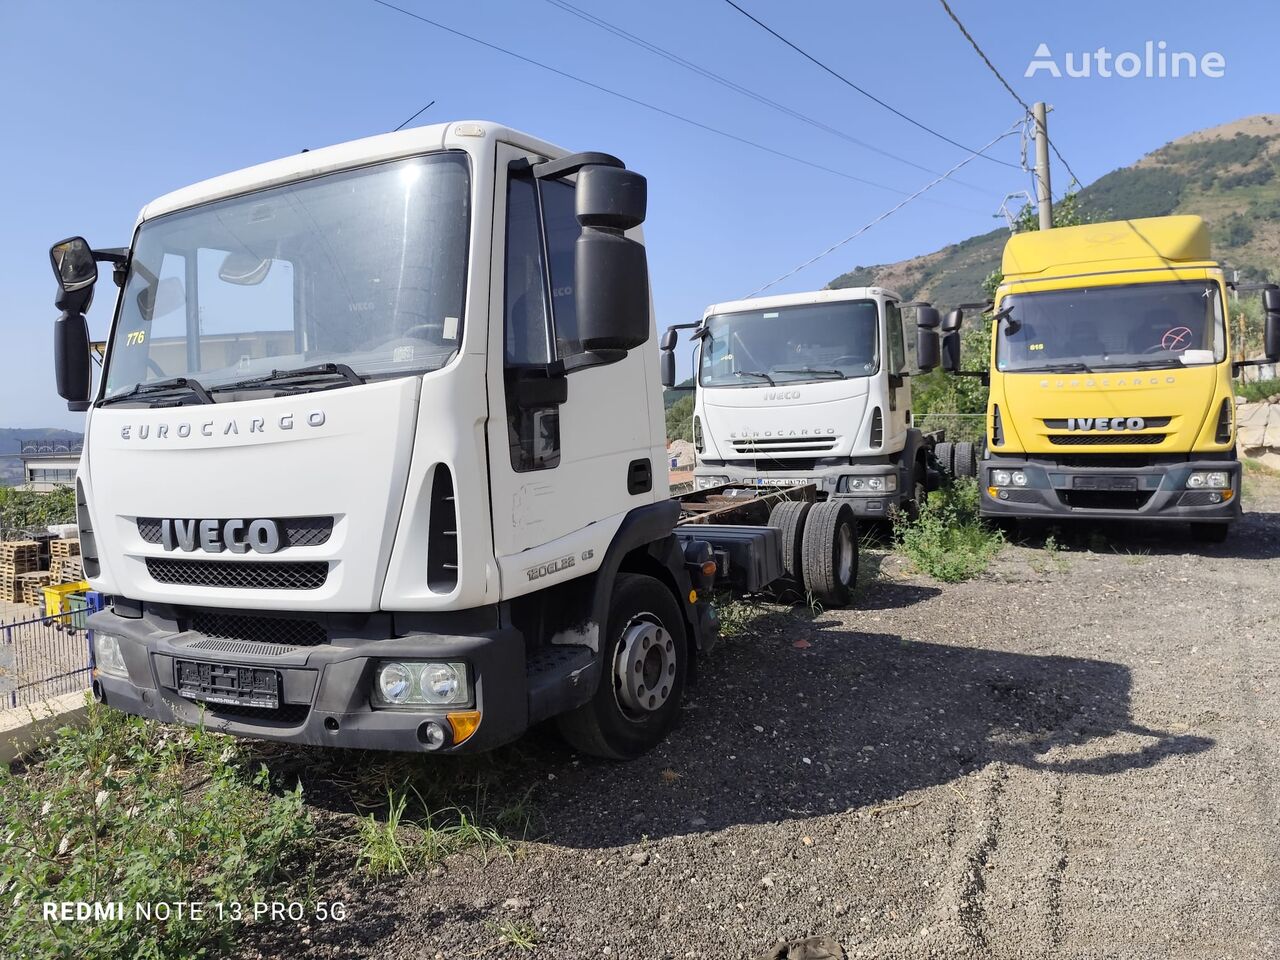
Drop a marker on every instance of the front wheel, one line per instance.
(644, 661)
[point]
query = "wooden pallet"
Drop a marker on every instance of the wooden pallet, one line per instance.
(66, 569)
(18, 556)
(62, 549)
(31, 584)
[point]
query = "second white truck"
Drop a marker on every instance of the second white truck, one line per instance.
(813, 388)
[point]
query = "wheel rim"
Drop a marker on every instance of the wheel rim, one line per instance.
(845, 554)
(644, 669)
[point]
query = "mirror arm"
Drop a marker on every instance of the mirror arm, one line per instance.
(115, 255)
(568, 166)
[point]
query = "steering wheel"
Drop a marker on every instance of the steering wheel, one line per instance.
(847, 358)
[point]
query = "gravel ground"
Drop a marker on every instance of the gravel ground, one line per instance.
(1072, 756)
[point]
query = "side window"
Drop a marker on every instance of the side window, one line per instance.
(897, 348)
(563, 229)
(533, 432)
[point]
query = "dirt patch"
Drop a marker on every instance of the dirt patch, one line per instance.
(1072, 756)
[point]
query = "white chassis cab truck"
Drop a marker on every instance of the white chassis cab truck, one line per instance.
(812, 388)
(376, 455)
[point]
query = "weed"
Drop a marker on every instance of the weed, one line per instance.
(382, 851)
(948, 541)
(516, 933)
(129, 812)
(736, 616)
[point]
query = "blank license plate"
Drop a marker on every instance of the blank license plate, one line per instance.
(225, 683)
(1104, 483)
(779, 481)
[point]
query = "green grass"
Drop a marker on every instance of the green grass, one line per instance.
(519, 934)
(129, 812)
(1258, 390)
(948, 541)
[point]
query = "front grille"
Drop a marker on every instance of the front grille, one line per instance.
(1106, 439)
(1105, 460)
(294, 531)
(1148, 422)
(277, 630)
(239, 574)
(769, 445)
(791, 463)
(285, 715)
(1105, 499)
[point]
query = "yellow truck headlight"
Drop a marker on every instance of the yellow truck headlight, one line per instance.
(1209, 480)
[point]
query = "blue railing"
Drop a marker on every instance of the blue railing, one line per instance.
(44, 657)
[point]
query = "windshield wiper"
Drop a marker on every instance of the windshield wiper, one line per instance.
(1068, 367)
(297, 373)
(1147, 365)
(755, 373)
(816, 371)
(163, 386)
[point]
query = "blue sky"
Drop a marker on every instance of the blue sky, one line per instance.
(109, 105)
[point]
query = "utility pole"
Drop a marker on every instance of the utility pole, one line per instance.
(1044, 197)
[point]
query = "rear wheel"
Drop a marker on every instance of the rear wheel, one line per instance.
(964, 460)
(944, 452)
(644, 661)
(788, 518)
(1210, 532)
(831, 553)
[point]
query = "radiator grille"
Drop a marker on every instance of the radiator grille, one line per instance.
(294, 531)
(240, 574)
(768, 445)
(1106, 439)
(285, 715)
(278, 630)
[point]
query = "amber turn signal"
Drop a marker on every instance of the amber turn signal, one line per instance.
(464, 724)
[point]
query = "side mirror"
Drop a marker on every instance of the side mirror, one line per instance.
(669, 338)
(71, 365)
(954, 319)
(668, 369)
(1271, 333)
(612, 270)
(927, 353)
(951, 351)
(73, 264)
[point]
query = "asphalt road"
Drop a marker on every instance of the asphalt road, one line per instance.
(1072, 756)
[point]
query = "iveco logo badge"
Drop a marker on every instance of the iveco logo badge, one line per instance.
(1106, 423)
(782, 395)
(214, 536)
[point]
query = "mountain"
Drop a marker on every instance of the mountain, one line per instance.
(1229, 174)
(10, 437)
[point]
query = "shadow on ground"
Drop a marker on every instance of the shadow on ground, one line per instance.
(1256, 536)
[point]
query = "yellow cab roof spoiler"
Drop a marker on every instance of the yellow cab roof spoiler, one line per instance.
(1118, 245)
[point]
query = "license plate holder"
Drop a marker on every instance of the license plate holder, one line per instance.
(779, 481)
(228, 684)
(1112, 484)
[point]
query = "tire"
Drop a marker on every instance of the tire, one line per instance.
(831, 553)
(919, 481)
(788, 518)
(944, 452)
(965, 463)
(1210, 532)
(611, 724)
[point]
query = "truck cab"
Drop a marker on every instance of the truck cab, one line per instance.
(375, 460)
(1111, 378)
(810, 388)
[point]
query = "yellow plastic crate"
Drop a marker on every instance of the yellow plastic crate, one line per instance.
(55, 597)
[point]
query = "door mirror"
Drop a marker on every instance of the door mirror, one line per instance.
(951, 351)
(668, 360)
(954, 319)
(927, 353)
(72, 367)
(612, 270)
(73, 264)
(1271, 334)
(669, 338)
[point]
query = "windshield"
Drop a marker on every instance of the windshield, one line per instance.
(787, 344)
(1148, 324)
(365, 268)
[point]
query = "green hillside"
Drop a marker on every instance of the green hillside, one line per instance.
(1230, 175)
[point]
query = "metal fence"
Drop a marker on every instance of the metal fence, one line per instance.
(958, 427)
(43, 657)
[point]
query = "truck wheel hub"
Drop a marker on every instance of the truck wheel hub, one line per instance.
(645, 667)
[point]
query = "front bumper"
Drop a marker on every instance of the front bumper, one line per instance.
(324, 690)
(1159, 492)
(865, 503)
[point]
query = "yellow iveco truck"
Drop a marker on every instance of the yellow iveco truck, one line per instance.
(1111, 377)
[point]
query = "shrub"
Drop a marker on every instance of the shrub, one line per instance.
(1258, 390)
(948, 541)
(123, 811)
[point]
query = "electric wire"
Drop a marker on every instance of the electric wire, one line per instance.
(870, 96)
(415, 116)
(738, 88)
(892, 210)
(640, 103)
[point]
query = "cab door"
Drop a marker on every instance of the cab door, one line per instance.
(560, 446)
(898, 417)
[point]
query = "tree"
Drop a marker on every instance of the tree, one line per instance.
(680, 419)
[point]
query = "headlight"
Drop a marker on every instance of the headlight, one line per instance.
(405, 683)
(1008, 478)
(1210, 479)
(107, 655)
(702, 483)
(885, 484)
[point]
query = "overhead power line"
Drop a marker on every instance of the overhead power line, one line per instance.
(637, 102)
(415, 116)
(739, 88)
(870, 96)
(892, 210)
(1003, 82)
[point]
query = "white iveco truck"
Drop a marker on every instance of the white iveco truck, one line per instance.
(812, 388)
(376, 456)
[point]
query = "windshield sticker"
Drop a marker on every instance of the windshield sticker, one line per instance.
(402, 354)
(450, 328)
(1196, 356)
